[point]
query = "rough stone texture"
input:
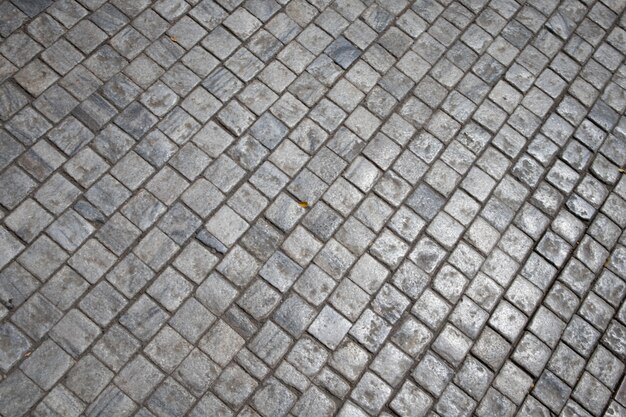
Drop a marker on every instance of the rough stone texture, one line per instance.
(312, 208)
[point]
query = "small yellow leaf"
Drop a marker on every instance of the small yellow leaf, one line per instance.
(173, 38)
(622, 170)
(303, 204)
(27, 354)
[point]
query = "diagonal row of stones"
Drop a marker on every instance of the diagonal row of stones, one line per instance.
(462, 158)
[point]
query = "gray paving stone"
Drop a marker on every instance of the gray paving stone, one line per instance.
(370, 330)
(296, 57)
(95, 112)
(524, 295)
(433, 374)
(270, 343)
(170, 289)
(143, 209)
(70, 230)
(14, 345)
(532, 405)
(371, 392)
(155, 249)
(411, 401)
(449, 282)
(275, 111)
(86, 167)
(234, 385)
(592, 394)
(36, 77)
(301, 246)
(112, 143)
(277, 76)
(13, 20)
(349, 409)
(390, 303)
(109, 18)
(431, 309)
(596, 311)
(75, 332)
(495, 403)
(112, 401)
(224, 173)
(531, 354)
(581, 335)
(221, 343)
(307, 356)
(118, 234)
(28, 220)
(314, 285)
(23, 392)
(290, 376)
(143, 70)
(179, 125)
(210, 404)
(454, 402)
(508, 320)
(322, 221)
(42, 258)
(491, 348)
(452, 344)
(259, 300)
(108, 194)
(27, 126)
(179, 223)
(82, 82)
(350, 360)
(513, 382)
(136, 120)
(264, 44)
(144, 318)
(294, 315)
(273, 399)
(17, 285)
(102, 303)
(167, 349)
(473, 377)
(13, 100)
(280, 271)
(120, 90)
(116, 347)
(11, 149)
(315, 401)
(605, 366)
(36, 316)
(47, 364)
(239, 266)
(329, 327)
(202, 197)
(609, 287)
(60, 400)
(17, 184)
(219, 36)
(566, 364)
(170, 399)
(88, 378)
(614, 338)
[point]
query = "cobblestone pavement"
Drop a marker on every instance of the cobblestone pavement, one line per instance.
(312, 208)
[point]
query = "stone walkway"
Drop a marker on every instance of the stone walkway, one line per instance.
(312, 208)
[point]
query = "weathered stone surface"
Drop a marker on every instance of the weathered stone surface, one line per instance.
(312, 208)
